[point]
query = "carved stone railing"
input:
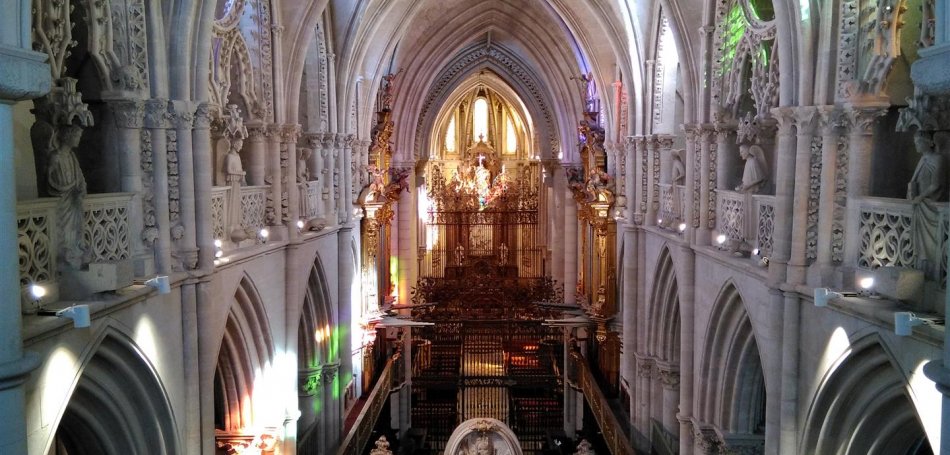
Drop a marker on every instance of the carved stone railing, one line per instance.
(731, 214)
(358, 435)
(310, 194)
(611, 427)
(219, 211)
(254, 207)
(672, 205)
(37, 231)
(765, 222)
(107, 234)
(886, 235)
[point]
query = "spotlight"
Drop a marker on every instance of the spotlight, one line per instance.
(78, 313)
(659, 221)
(867, 287)
(823, 295)
(755, 251)
(218, 243)
(262, 235)
(160, 283)
(721, 240)
(37, 292)
(682, 227)
(904, 322)
(218, 253)
(300, 224)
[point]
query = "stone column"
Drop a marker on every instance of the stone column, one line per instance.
(641, 161)
(788, 442)
(128, 116)
(642, 414)
(653, 180)
(204, 171)
(349, 184)
(25, 76)
(275, 173)
(862, 119)
(687, 297)
(288, 160)
(806, 121)
(690, 159)
(364, 163)
(558, 225)
(404, 231)
(707, 198)
(256, 147)
(629, 301)
(630, 172)
(346, 275)
(784, 188)
(182, 117)
(831, 122)
(570, 247)
(726, 155)
(329, 170)
(670, 380)
(156, 121)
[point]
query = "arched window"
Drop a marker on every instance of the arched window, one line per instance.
(450, 136)
(511, 137)
(480, 120)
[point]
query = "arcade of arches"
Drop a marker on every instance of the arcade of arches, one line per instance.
(474, 227)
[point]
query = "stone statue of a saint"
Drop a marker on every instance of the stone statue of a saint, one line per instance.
(303, 174)
(679, 169)
(753, 174)
(234, 173)
(66, 181)
(928, 186)
(929, 181)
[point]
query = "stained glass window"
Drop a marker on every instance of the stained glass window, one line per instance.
(480, 120)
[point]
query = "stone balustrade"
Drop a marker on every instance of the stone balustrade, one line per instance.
(733, 219)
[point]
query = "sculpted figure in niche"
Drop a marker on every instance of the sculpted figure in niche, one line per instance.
(66, 182)
(679, 170)
(303, 175)
(232, 162)
(753, 174)
(928, 186)
(235, 177)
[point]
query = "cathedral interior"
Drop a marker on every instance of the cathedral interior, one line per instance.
(494, 227)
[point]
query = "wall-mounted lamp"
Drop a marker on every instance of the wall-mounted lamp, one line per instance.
(905, 321)
(37, 292)
(300, 225)
(867, 287)
(78, 313)
(682, 227)
(823, 295)
(262, 235)
(721, 240)
(160, 283)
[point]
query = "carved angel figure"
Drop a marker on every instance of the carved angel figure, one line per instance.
(303, 174)
(679, 169)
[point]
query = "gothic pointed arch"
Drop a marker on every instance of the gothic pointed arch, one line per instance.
(732, 393)
(862, 406)
(315, 350)
(663, 311)
(119, 405)
(509, 67)
(247, 348)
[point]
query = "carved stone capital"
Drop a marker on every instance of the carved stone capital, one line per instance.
(806, 120)
(350, 141)
(664, 141)
(181, 114)
(862, 119)
(203, 115)
(692, 131)
(785, 119)
(290, 133)
(257, 133)
(329, 140)
(645, 367)
(830, 119)
(669, 376)
(128, 113)
(156, 113)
